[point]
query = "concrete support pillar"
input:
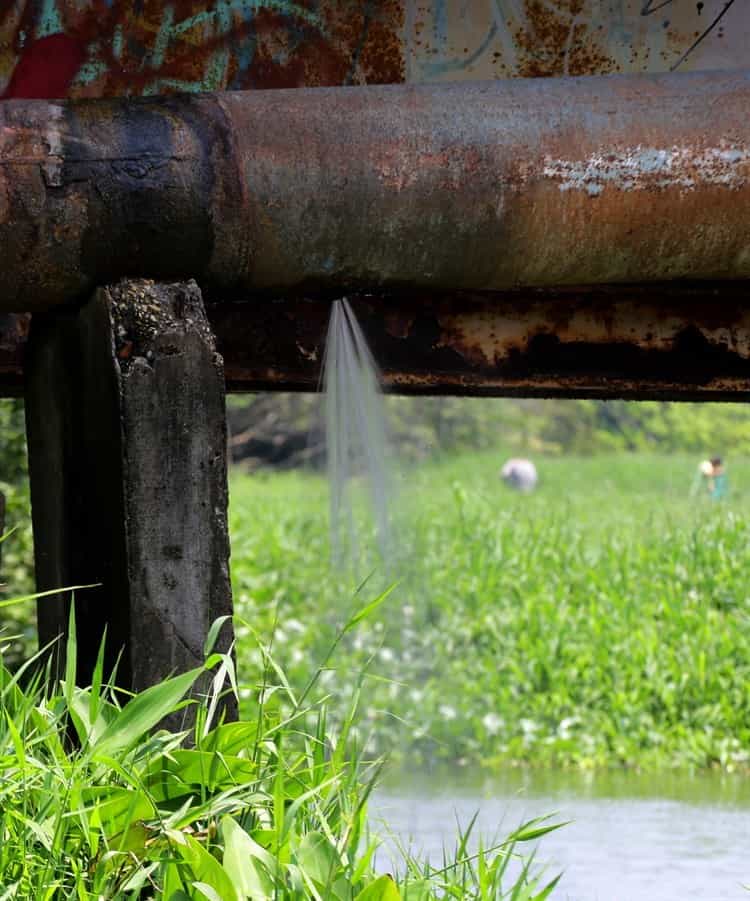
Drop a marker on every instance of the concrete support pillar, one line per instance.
(126, 426)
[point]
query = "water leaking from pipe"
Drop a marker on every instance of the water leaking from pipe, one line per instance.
(358, 455)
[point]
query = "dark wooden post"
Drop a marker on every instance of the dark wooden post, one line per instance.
(126, 425)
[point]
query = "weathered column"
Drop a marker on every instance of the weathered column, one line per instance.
(127, 453)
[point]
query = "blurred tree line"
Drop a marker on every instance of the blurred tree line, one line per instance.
(286, 430)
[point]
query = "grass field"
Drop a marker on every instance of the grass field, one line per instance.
(604, 621)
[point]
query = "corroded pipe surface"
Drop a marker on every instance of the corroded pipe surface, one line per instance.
(636, 342)
(483, 186)
(686, 343)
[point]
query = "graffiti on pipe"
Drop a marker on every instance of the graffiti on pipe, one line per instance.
(108, 48)
(82, 48)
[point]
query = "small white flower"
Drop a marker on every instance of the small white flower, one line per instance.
(566, 725)
(447, 712)
(492, 723)
(408, 610)
(386, 655)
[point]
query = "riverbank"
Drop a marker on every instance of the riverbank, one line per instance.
(602, 622)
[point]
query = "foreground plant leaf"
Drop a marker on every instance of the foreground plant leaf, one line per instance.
(202, 869)
(383, 889)
(249, 866)
(143, 712)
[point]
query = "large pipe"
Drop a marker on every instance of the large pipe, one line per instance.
(480, 186)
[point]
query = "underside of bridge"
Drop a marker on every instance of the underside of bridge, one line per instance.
(172, 224)
(501, 226)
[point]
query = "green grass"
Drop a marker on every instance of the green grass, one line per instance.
(98, 803)
(604, 621)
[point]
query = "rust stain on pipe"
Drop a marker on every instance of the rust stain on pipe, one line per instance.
(677, 342)
(484, 186)
(686, 343)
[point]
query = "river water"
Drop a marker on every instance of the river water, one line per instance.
(632, 837)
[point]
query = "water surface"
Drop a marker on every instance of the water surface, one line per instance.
(665, 837)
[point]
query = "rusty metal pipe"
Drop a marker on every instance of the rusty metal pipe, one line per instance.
(690, 342)
(483, 186)
(686, 342)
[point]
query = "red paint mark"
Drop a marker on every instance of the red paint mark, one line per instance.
(46, 69)
(342, 43)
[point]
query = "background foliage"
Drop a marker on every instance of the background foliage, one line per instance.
(285, 429)
(16, 564)
(605, 618)
(602, 621)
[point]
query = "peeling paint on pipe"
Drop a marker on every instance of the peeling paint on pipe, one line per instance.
(484, 186)
(648, 168)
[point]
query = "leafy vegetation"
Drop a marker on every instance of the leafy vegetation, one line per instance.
(16, 548)
(97, 802)
(602, 621)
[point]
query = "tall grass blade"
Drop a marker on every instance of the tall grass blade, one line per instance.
(143, 712)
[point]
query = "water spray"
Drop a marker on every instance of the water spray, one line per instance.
(356, 439)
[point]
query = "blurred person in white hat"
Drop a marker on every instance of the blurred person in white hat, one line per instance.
(520, 474)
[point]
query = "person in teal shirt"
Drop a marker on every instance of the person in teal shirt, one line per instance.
(718, 485)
